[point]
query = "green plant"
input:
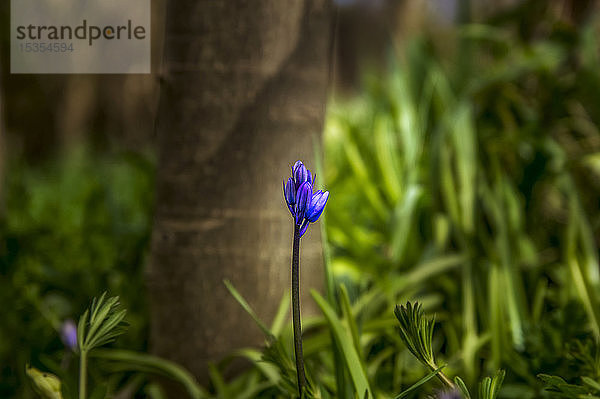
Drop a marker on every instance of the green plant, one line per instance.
(417, 334)
(70, 227)
(478, 190)
(280, 372)
(305, 207)
(474, 193)
(98, 326)
(559, 387)
(467, 182)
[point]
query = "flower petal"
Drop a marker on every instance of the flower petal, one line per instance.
(301, 174)
(290, 192)
(296, 166)
(303, 197)
(316, 206)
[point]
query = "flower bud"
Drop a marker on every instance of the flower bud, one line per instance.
(316, 205)
(301, 174)
(303, 197)
(304, 206)
(44, 384)
(290, 192)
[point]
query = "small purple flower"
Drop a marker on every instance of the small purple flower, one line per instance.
(453, 394)
(304, 205)
(68, 334)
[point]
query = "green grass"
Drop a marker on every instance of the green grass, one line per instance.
(69, 231)
(476, 196)
(473, 191)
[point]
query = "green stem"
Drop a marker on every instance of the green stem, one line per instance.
(82, 374)
(445, 380)
(296, 311)
(440, 375)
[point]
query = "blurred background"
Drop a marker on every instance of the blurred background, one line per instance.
(461, 146)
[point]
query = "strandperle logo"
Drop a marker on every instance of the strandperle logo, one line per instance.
(81, 32)
(80, 36)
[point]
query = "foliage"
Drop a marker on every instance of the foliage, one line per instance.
(416, 332)
(468, 183)
(563, 389)
(472, 188)
(277, 366)
(492, 171)
(69, 229)
(99, 325)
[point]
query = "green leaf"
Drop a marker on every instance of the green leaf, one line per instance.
(266, 368)
(238, 297)
(345, 342)
(403, 216)
(218, 382)
(157, 365)
(557, 384)
(422, 381)
(81, 327)
(417, 332)
(347, 311)
(104, 324)
(281, 315)
(591, 383)
(463, 388)
(496, 383)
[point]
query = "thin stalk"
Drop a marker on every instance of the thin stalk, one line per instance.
(82, 374)
(296, 311)
(445, 380)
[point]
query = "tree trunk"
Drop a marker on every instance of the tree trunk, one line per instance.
(243, 97)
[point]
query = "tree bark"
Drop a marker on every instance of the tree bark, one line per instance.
(243, 97)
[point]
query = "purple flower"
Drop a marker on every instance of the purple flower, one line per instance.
(304, 205)
(453, 394)
(68, 334)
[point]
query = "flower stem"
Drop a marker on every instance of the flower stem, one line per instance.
(82, 374)
(296, 311)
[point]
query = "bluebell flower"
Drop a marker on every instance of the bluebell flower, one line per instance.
(304, 205)
(68, 334)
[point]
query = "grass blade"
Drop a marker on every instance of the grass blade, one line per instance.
(238, 297)
(417, 384)
(357, 373)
